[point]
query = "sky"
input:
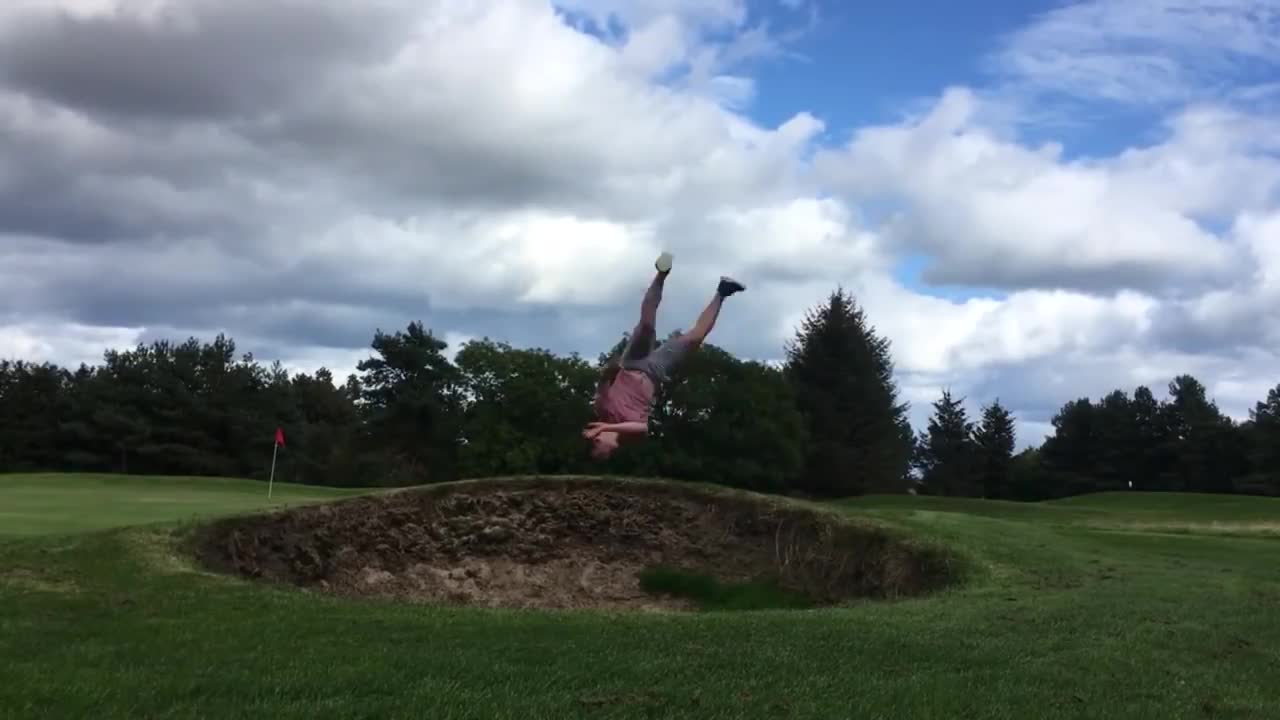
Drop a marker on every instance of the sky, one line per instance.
(1033, 201)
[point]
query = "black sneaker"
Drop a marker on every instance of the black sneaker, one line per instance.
(729, 286)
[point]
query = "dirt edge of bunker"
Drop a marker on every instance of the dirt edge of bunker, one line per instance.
(567, 542)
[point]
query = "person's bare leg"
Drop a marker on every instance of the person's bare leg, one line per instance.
(644, 335)
(668, 356)
(707, 319)
(652, 299)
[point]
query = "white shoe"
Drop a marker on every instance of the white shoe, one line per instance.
(663, 263)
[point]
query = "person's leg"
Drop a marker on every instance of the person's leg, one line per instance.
(645, 332)
(676, 348)
(707, 319)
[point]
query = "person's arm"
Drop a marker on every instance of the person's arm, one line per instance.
(627, 428)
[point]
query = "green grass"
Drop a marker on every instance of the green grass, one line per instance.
(1073, 611)
(1183, 507)
(55, 504)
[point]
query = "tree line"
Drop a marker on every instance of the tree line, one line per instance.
(1180, 443)
(827, 422)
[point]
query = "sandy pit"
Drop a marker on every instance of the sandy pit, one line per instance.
(563, 543)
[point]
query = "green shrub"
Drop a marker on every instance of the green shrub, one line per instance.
(712, 594)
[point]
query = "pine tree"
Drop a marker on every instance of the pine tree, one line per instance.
(996, 440)
(1117, 438)
(409, 398)
(842, 375)
(1150, 452)
(1031, 481)
(1264, 432)
(1071, 454)
(947, 454)
(1206, 444)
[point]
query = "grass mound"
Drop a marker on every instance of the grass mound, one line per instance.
(575, 542)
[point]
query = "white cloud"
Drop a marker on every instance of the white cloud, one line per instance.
(1245, 316)
(460, 261)
(992, 212)
(1146, 52)
(1263, 237)
(68, 344)
(340, 363)
(941, 336)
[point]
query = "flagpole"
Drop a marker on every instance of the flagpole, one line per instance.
(275, 448)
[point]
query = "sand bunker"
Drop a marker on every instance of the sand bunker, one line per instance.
(563, 543)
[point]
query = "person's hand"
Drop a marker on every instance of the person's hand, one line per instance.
(594, 429)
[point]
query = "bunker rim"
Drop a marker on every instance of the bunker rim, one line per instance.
(568, 543)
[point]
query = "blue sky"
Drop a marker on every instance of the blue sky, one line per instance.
(856, 64)
(860, 63)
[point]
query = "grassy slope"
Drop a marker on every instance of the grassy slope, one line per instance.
(1065, 621)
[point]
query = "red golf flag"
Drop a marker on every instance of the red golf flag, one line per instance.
(280, 437)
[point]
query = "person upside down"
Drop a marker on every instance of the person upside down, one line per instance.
(625, 394)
